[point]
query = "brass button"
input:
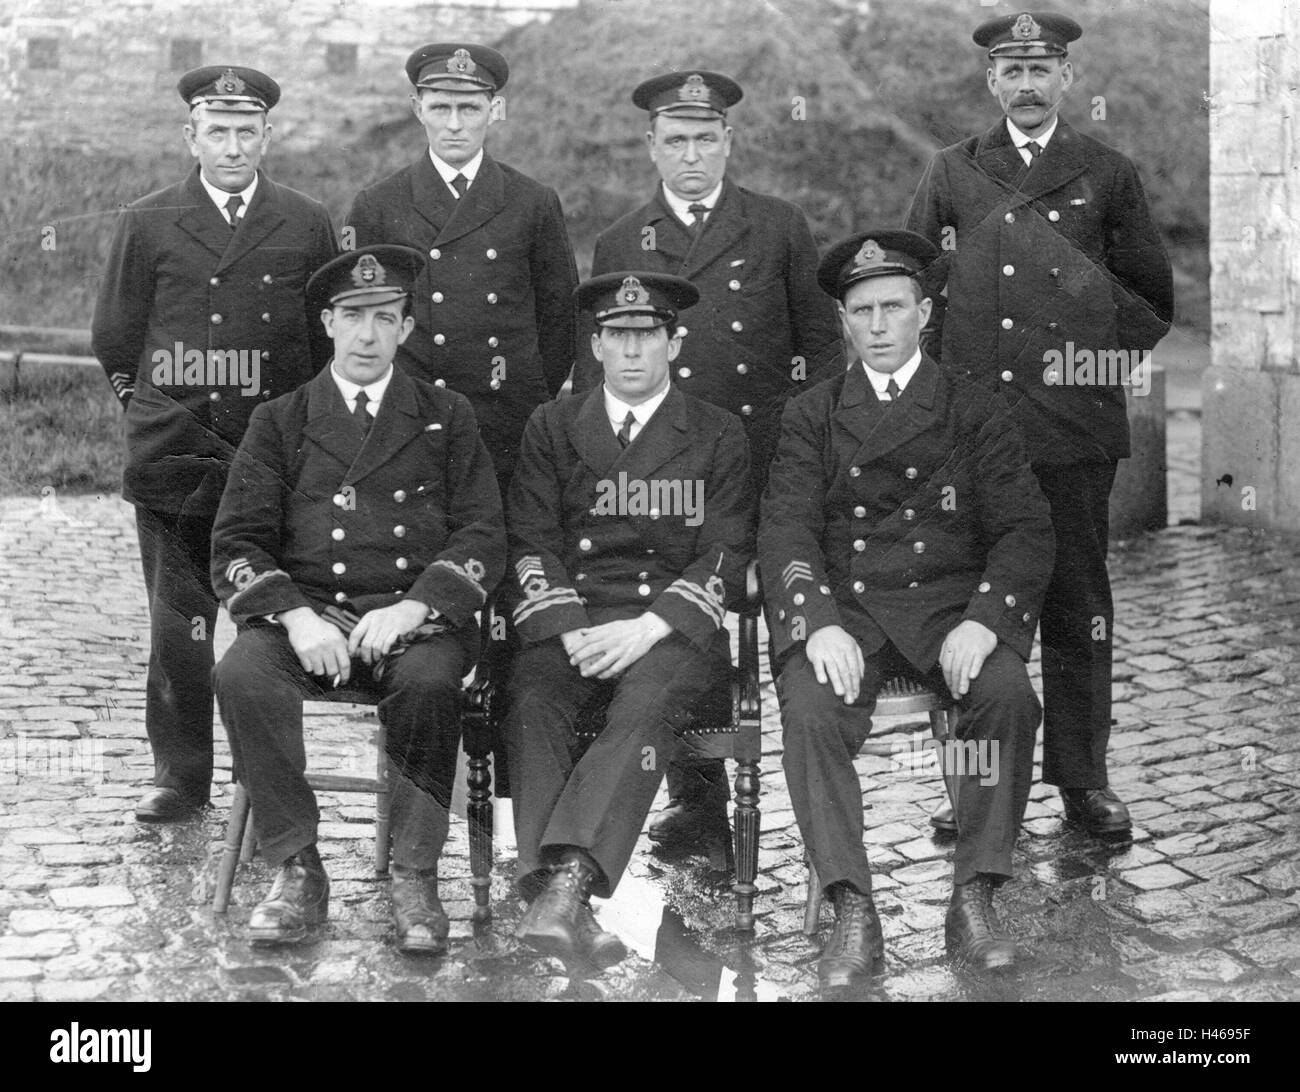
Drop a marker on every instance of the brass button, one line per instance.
(643, 576)
(734, 286)
(859, 544)
(1008, 270)
(266, 316)
(985, 586)
(859, 587)
(682, 331)
(340, 597)
(743, 369)
(491, 254)
(495, 384)
(824, 590)
(1010, 217)
(214, 396)
(337, 534)
(339, 568)
(1007, 324)
(266, 278)
(400, 496)
(910, 473)
(439, 382)
(798, 599)
(584, 544)
(1053, 215)
(780, 616)
(860, 512)
(214, 281)
(737, 326)
(643, 589)
(654, 513)
(435, 254)
(745, 411)
(581, 576)
(1007, 376)
(913, 584)
(440, 339)
(401, 563)
(340, 500)
(855, 471)
(493, 342)
(491, 297)
(1011, 600)
(216, 320)
(436, 297)
(685, 373)
(1026, 617)
(909, 513)
(918, 547)
(399, 531)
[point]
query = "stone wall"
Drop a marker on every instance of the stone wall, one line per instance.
(102, 74)
(1251, 394)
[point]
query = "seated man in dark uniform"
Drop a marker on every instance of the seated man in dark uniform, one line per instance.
(360, 530)
(902, 532)
(631, 519)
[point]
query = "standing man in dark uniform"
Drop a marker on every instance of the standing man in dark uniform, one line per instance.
(199, 320)
(761, 330)
(902, 533)
(1050, 253)
(494, 307)
(631, 520)
(360, 531)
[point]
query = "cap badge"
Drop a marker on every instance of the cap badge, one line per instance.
(633, 292)
(461, 63)
(368, 272)
(230, 84)
(694, 89)
(1026, 28)
(870, 254)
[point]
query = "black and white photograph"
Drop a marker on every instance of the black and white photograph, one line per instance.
(650, 500)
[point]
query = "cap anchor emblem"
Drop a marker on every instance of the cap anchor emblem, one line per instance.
(460, 63)
(230, 84)
(633, 291)
(368, 272)
(1026, 28)
(694, 89)
(870, 254)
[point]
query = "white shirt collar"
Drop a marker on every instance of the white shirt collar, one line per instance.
(880, 380)
(447, 172)
(220, 197)
(374, 391)
(682, 208)
(617, 409)
(1021, 140)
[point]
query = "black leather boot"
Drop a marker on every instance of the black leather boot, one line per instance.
(856, 944)
(299, 898)
(972, 931)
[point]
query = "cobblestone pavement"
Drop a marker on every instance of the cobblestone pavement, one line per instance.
(1203, 904)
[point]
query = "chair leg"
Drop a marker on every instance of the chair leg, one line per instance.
(236, 828)
(382, 838)
(747, 826)
(812, 907)
(479, 812)
(943, 725)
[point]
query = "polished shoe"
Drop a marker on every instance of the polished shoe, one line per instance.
(690, 823)
(167, 806)
(1099, 811)
(972, 931)
(599, 948)
(551, 924)
(299, 898)
(856, 944)
(422, 924)
(944, 819)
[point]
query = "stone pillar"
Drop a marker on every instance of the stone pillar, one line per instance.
(1139, 500)
(1250, 456)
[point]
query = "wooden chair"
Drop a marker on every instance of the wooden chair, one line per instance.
(728, 726)
(896, 697)
(239, 843)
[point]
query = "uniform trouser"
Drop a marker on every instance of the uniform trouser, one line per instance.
(822, 735)
(175, 556)
(1076, 628)
(260, 689)
(598, 800)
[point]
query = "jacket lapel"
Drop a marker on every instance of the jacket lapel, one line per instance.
(200, 219)
(329, 425)
(482, 201)
(397, 423)
(429, 194)
(664, 436)
(1062, 161)
(265, 214)
(879, 428)
(725, 226)
(996, 156)
(591, 435)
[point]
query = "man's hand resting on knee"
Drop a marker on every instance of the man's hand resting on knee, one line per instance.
(837, 659)
(609, 649)
(964, 651)
(319, 645)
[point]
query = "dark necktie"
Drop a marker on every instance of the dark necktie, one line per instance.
(232, 210)
(1034, 149)
(360, 414)
(891, 389)
(460, 184)
(625, 433)
(697, 212)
